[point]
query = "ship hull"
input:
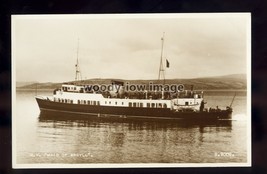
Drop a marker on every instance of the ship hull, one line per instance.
(129, 112)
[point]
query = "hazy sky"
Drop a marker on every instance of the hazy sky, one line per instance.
(44, 47)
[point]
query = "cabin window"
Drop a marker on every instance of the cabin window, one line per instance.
(164, 105)
(98, 102)
(115, 103)
(160, 105)
(153, 105)
(186, 103)
(130, 104)
(54, 99)
(66, 101)
(134, 104)
(68, 87)
(110, 102)
(78, 101)
(94, 102)
(121, 103)
(74, 88)
(71, 101)
(148, 105)
(105, 102)
(190, 102)
(88, 102)
(141, 105)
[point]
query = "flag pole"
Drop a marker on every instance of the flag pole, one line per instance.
(161, 68)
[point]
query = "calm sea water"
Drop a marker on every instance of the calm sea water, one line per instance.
(70, 139)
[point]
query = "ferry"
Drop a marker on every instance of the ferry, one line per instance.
(73, 98)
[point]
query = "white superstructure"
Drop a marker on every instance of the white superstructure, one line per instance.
(75, 94)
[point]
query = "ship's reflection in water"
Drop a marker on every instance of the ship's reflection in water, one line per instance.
(75, 120)
(121, 140)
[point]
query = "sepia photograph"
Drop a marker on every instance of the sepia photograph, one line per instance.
(131, 90)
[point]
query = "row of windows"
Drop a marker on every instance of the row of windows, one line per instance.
(135, 104)
(88, 102)
(187, 103)
(68, 88)
(148, 105)
(116, 103)
(131, 104)
(63, 100)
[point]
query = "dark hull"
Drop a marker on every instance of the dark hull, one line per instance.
(135, 123)
(129, 112)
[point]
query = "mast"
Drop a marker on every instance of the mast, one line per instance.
(77, 72)
(161, 68)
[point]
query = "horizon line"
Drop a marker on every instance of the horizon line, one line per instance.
(108, 78)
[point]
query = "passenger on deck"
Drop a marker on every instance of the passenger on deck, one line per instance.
(217, 108)
(202, 106)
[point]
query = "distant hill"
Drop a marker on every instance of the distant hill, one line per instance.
(21, 84)
(48, 85)
(231, 76)
(228, 82)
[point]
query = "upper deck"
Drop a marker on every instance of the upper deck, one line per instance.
(122, 94)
